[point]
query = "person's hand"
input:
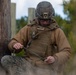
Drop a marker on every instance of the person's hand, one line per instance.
(17, 46)
(50, 60)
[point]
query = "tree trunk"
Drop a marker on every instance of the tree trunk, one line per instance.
(5, 23)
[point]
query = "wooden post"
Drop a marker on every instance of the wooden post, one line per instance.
(13, 19)
(5, 24)
(31, 14)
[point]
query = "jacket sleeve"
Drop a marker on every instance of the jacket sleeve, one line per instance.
(20, 37)
(64, 49)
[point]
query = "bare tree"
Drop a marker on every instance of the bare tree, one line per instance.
(5, 24)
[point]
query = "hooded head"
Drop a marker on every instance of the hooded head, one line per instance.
(44, 13)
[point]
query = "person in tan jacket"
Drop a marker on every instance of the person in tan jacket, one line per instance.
(45, 44)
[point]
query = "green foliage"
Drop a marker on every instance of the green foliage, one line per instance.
(70, 11)
(22, 53)
(64, 24)
(21, 22)
(69, 24)
(70, 29)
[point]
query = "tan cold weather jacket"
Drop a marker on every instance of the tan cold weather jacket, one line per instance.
(52, 38)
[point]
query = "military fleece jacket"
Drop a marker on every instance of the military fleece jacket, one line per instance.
(57, 37)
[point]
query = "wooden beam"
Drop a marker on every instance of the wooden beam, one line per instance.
(31, 14)
(13, 19)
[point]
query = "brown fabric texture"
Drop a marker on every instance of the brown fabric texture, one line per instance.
(52, 41)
